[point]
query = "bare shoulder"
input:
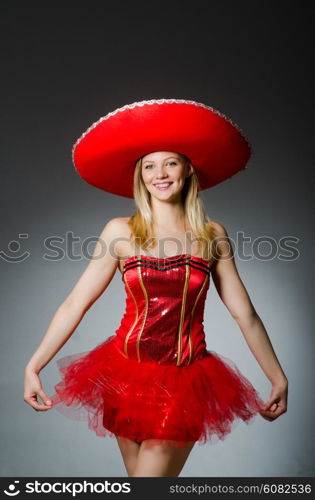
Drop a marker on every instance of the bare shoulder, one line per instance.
(222, 243)
(218, 229)
(116, 234)
(118, 226)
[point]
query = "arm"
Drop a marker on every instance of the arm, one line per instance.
(235, 297)
(90, 286)
(93, 282)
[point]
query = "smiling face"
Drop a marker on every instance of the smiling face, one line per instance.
(164, 174)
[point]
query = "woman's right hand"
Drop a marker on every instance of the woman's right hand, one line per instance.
(32, 389)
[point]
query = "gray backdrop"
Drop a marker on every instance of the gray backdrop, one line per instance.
(62, 69)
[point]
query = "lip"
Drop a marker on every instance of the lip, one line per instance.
(157, 186)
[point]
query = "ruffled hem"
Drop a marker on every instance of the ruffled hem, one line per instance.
(201, 402)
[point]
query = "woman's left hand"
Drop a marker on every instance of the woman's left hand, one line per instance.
(277, 403)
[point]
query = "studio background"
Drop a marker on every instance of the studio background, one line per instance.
(62, 69)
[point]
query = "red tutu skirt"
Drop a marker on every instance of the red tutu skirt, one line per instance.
(146, 400)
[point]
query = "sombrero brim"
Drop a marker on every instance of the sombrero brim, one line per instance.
(105, 155)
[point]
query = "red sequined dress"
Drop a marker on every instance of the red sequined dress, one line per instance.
(155, 377)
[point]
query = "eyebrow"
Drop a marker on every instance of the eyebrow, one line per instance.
(152, 161)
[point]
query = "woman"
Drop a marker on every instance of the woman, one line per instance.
(154, 385)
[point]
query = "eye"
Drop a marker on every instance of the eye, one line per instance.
(168, 163)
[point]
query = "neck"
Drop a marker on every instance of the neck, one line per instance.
(168, 215)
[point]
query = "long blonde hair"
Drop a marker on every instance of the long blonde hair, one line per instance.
(141, 222)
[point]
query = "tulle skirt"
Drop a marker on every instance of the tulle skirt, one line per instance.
(120, 396)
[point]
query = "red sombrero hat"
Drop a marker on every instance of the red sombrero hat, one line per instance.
(105, 155)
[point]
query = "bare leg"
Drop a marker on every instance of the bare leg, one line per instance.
(160, 460)
(129, 450)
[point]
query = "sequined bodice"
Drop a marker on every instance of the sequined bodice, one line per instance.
(165, 299)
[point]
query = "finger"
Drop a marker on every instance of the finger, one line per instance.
(281, 409)
(272, 415)
(270, 405)
(41, 408)
(44, 398)
(36, 405)
(267, 418)
(267, 413)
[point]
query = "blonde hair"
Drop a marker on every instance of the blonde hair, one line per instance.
(141, 222)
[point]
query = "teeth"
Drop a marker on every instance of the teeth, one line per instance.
(163, 185)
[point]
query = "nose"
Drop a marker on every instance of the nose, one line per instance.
(160, 172)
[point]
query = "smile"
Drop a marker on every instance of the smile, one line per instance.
(163, 186)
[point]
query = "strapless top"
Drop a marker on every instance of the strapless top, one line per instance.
(165, 300)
